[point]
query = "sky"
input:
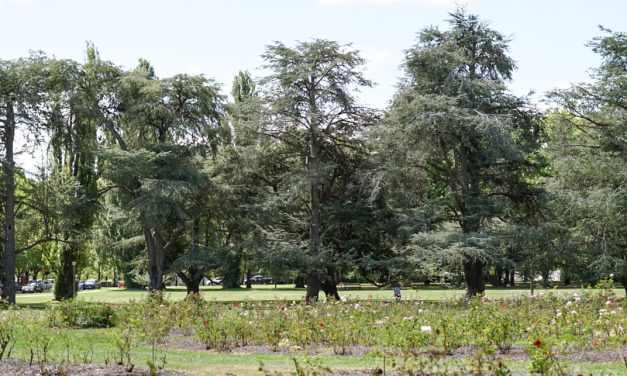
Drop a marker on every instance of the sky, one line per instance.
(220, 37)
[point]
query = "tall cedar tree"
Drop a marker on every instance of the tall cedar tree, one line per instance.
(472, 139)
(313, 110)
(158, 126)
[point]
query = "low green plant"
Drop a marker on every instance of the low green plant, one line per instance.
(81, 314)
(152, 321)
(9, 322)
(124, 340)
(544, 359)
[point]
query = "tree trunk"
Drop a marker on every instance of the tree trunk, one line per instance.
(329, 283)
(64, 285)
(498, 276)
(232, 272)
(191, 281)
(545, 278)
(156, 257)
(474, 277)
(623, 281)
(8, 168)
(313, 287)
(249, 275)
(512, 274)
(566, 278)
(506, 278)
(299, 282)
(330, 289)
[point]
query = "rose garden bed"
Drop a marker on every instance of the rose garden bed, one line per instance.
(549, 334)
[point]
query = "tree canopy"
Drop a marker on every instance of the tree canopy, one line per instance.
(165, 179)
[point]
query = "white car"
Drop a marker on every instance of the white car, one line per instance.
(33, 287)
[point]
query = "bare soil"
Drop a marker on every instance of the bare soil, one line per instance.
(573, 353)
(15, 367)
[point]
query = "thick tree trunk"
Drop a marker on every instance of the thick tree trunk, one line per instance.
(474, 276)
(299, 282)
(623, 281)
(330, 289)
(313, 287)
(329, 284)
(63, 287)
(156, 257)
(191, 281)
(232, 272)
(8, 168)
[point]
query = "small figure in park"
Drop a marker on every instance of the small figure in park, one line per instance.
(397, 293)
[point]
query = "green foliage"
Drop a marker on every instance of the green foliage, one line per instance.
(81, 314)
(588, 149)
(476, 146)
(9, 324)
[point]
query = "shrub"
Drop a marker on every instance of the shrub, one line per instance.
(80, 314)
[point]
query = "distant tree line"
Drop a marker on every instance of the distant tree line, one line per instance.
(151, 177)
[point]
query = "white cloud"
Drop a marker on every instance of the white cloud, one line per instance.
(375, 57)
(19, 4)
(431, 3)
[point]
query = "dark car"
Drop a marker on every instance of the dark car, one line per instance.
(91, 284)
(259, 279)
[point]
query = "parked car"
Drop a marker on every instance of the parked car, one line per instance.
(46, 285)
(33, 287)
(91, 284)
(259, 279)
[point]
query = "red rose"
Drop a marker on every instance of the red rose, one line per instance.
(322, 325)
(437, 331)
(537, 343)
(604, 340)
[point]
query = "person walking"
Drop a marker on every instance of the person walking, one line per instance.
(397, 293)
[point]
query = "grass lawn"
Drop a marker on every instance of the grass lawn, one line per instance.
(287, 292)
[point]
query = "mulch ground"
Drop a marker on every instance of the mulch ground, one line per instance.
(573, 353)
(15, 367)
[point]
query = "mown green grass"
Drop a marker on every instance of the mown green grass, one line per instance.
(288, 293)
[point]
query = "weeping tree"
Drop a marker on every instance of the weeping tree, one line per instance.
(476, 143)
(313, 112)
(73, 166)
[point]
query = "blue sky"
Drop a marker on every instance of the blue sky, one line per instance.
(218, 38)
